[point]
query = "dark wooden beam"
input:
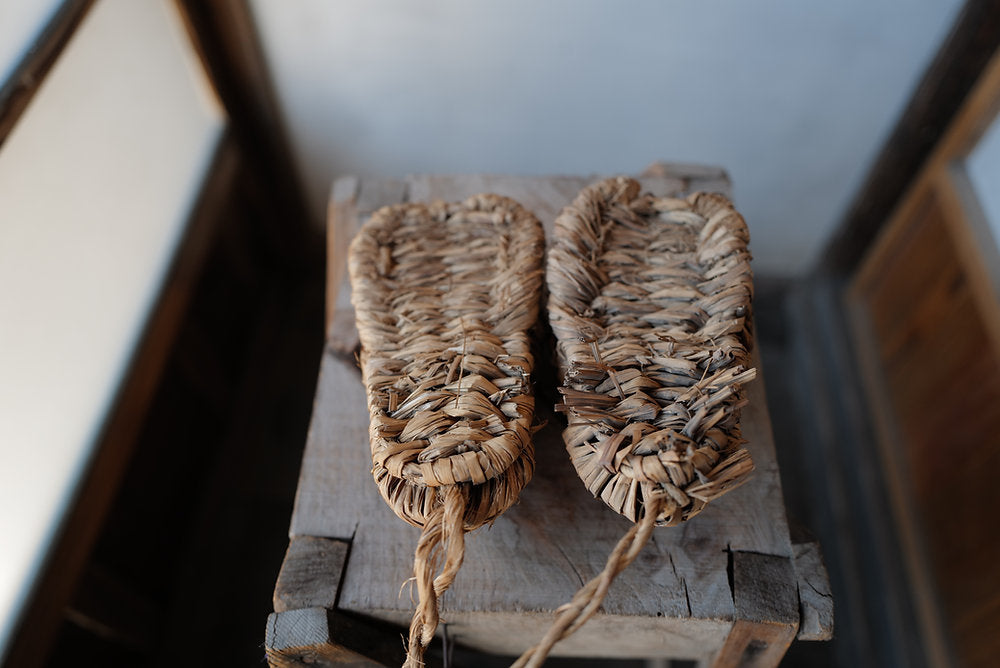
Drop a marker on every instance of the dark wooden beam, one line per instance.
(960, 61)
(17, 92)
(224, 34)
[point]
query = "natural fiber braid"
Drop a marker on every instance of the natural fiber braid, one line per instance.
(444, 532)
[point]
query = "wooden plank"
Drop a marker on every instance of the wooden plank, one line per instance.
(376, 193)
(767, 611)
(335, 480)
(815, 597)
(927, 342)
(674, 600)
(310, 574)
(320, 637)
(977, 249)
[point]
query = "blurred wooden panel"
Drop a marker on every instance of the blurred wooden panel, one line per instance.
(929, 356)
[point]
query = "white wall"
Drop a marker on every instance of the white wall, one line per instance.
(794, 98)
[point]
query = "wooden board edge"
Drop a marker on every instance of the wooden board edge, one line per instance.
(816, 610)
(765, 595)
(977, 249)
(310, 573)
(754, 645)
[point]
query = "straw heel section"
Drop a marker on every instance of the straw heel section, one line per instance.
(649, 300)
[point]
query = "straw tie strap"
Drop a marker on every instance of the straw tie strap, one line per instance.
(443, 536)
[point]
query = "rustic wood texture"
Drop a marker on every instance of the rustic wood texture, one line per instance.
(310, 574)
(815, 597)
(767, 611)
(320, 637)
(927, 342)
(675, 600)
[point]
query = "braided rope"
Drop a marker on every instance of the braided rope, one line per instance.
(445, 297)
(443, 535)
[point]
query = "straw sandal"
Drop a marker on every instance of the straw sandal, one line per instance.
(650, 304)
(649, 300)
(446, 296)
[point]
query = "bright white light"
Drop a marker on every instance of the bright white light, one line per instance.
(96, 181)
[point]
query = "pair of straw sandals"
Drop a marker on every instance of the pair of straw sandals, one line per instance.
(649, 301)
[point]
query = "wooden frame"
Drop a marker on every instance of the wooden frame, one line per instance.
(942, 185)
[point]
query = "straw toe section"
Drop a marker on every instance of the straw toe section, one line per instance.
(445, 297)
(650, 304)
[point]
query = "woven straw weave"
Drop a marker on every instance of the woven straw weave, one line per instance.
(445, 296)
(650, 304)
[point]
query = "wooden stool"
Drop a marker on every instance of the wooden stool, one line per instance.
(727, 588)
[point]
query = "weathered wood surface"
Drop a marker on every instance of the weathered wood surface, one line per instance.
(815, 597)
(310, 574)
(765, 594)
(321, 637)
(675, 600)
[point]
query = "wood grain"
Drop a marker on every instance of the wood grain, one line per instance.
(320, 637)
(675, 600)
(767, 615)
(310, 574)
(934, 374)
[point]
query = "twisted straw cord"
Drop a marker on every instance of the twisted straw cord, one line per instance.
(443, 535)
(588, 598)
